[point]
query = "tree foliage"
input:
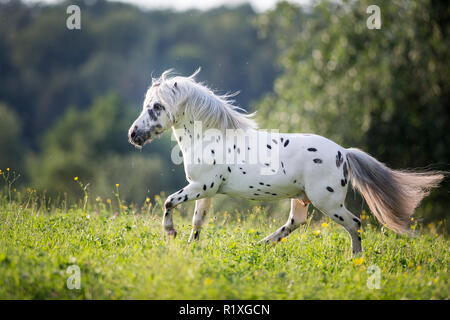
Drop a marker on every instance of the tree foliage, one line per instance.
(12, 144)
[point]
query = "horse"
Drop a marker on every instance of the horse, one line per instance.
(224, 152)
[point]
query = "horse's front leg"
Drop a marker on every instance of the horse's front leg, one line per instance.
(193, 191)
(201, 208)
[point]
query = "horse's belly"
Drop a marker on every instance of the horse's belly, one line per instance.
(261, 190)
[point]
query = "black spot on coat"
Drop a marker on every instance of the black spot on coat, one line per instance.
(339, 159)
(152, 114)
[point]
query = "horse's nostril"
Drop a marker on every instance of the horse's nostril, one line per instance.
(133, 134)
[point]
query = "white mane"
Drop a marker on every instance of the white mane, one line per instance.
(201, 103)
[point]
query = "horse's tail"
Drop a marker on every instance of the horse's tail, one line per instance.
(392, 195)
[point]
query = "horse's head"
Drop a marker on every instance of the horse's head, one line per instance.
(155, 118)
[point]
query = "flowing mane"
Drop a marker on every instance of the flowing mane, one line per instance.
(201, 103)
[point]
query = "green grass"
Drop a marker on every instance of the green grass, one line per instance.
(127, 256)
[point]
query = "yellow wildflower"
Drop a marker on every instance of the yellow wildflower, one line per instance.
(75, 178)
(108, 200)
(117, 185)
(358, 261)
(208, 281)
(283, 239)
(317, 232)
(419, 268)
(324, 225)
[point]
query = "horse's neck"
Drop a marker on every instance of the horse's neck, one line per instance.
(191, 133)
(183, 128)
(186, 130)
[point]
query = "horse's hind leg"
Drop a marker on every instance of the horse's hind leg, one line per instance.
(297, 216)
(351, 223)
(201, 208)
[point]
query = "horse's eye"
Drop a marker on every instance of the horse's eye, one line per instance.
(158, 106)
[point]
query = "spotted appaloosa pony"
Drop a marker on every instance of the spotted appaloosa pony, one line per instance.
(306, 168)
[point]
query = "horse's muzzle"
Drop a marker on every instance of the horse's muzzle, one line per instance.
(138, 137)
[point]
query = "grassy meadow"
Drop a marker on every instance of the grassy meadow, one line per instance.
(124, 254)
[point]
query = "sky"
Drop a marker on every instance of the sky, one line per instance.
(180, 5)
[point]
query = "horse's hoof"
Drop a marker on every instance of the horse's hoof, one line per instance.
(172, 233)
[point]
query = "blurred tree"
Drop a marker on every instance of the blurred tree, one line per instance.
(12, 144)
(386, 91)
